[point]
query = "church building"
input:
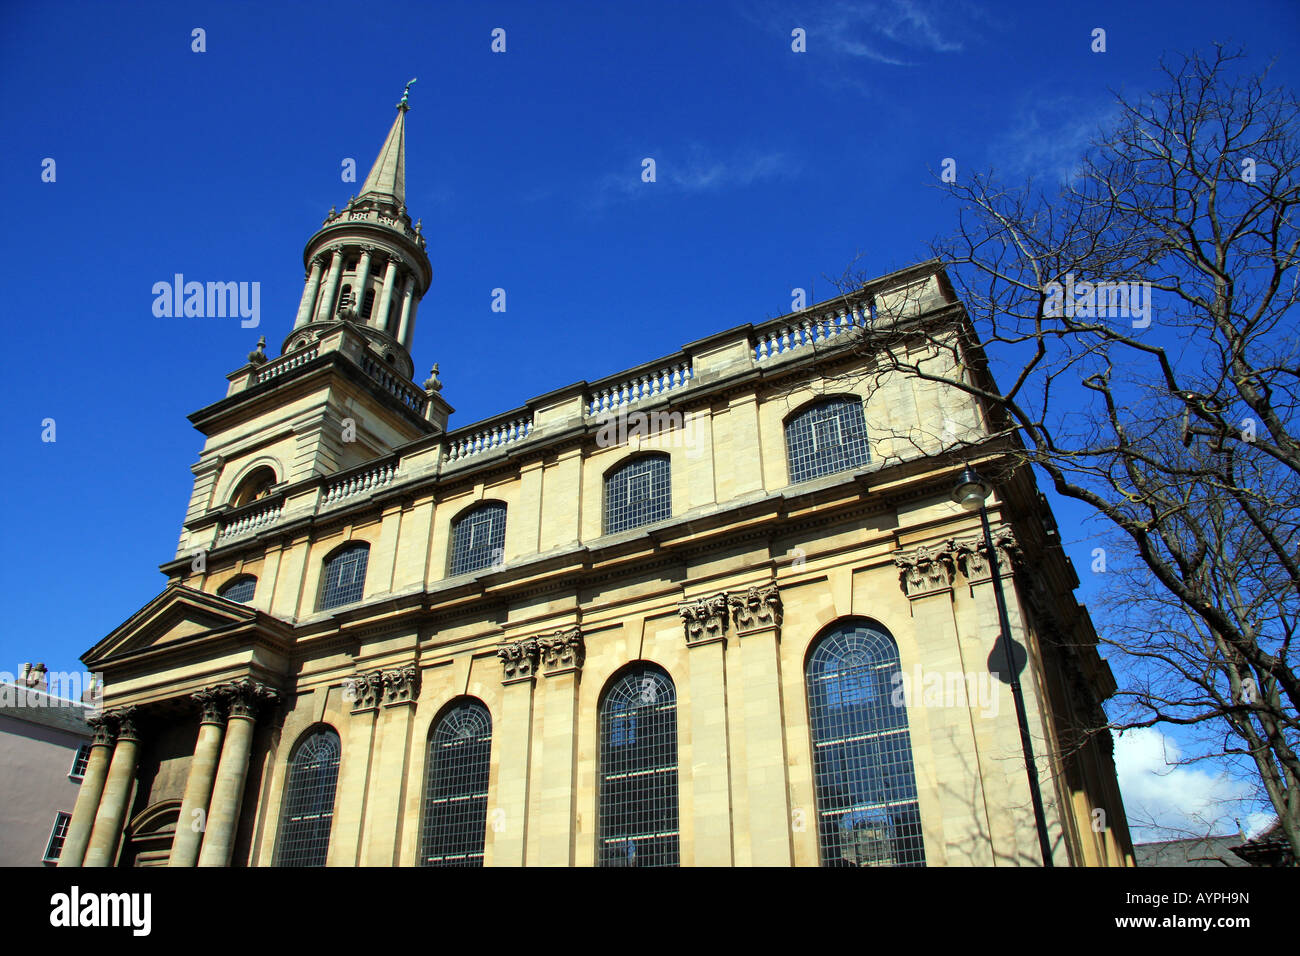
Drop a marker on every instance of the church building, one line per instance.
(720, 609)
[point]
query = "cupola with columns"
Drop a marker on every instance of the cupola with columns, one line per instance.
(367, 265)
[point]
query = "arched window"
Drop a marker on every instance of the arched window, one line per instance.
(256, 484)
(478, 539)
(241, 589)
(308, 812)
(638, 770)
(830, 436)
(456, 787)
(867, 812)
(345, 299)
(638, 493)
(344, 579)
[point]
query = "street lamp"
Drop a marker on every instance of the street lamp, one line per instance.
(970, 492)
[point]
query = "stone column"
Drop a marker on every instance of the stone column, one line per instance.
(379, 318)
(190, 825)
(410, 320)
(232, 771)
(307, 305)
(401, 688)
(325, 307)
(561, 656)
(92, 788)
(117, 791)
(508, 805)
(404, 324)
(705, 623)
(757, 616)
(363, 278)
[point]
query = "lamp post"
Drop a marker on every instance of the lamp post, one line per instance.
(970, 492)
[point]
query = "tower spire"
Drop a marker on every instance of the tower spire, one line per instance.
(388, 174)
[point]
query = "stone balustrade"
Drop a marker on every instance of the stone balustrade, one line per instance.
(792, 334)
(466, 443)
(287, 364)
(250, 521)
(362, 481)
(611, 399)
(393, 383)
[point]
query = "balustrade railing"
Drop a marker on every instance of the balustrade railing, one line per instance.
(465, 444)
(359, 482)
(405, 392)
(802, 331)
(609, 400)
(249, 522)
(287, 363)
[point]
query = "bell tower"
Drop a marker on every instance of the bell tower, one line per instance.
(367, 264)
(340, 397)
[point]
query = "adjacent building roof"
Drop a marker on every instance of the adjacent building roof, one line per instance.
(38, 707)
(1194, 851)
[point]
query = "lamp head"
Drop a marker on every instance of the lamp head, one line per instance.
(970, 490)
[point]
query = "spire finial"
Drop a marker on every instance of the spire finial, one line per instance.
(406, 92)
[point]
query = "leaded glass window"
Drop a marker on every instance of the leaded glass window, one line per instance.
(638, 493)
(345, 576)
(830, 436)
(456, 787)
(308, 812)
(241, 589)
(867, 812)
(638, 771)
(478, 539)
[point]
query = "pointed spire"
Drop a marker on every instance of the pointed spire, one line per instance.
(388, 175)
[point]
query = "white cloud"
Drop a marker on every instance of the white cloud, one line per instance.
(1166, 801)
(694, 170)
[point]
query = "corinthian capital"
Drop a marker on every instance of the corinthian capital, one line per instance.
(401, 685)
(212, 705)
(364, 691)
(518, 660)
(705, 619)
(972, 555)
(758, 607)
(927, 569)
(246, 695)
(562, 652)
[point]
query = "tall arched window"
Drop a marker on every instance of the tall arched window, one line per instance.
(368, 304)
(456, 787)
(241, 589)
(344, 579)
(308, 812)
(478, 539)
(638, 493)
(867, 812)
(256, 484)
(828, 437)
(638, 770)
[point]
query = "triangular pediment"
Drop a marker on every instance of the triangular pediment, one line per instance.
(177, 615)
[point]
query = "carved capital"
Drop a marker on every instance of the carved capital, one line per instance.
(364, 691)
(973, 557)
(562, 652)
(246, 695)
(705, 619)
(212, 705)
(401, 685)
(127, 722)
(927, 569)
(105, 730)
(518, 660)
(757, 608)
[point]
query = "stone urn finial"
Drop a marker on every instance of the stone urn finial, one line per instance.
(258, 355)
(431, 384)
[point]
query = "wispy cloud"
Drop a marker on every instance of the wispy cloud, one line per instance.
(692, 170)
(1048, 137)
(890, 32)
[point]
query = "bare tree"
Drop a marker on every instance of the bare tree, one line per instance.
(1141, 320)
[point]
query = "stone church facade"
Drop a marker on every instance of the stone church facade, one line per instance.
(712, 610)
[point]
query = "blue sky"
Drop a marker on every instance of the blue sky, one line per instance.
(775, 170)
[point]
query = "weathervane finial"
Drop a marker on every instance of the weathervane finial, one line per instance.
(406, 92)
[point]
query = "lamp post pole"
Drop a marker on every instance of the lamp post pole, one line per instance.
(971, 488)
